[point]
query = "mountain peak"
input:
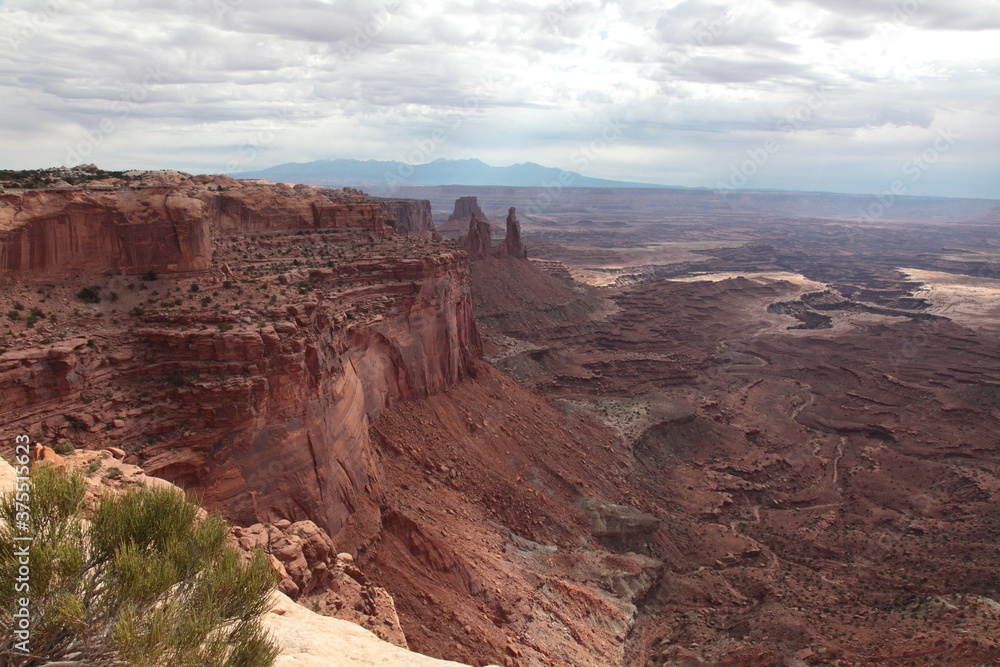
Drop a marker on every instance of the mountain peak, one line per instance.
(386, 176)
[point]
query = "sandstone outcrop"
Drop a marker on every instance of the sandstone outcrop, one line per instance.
(45, 234)
(8, 477)
(304, 550)
(282, 207)
(457, 223)
(512, 246)
(410, 216)
(313, 574)
(308, 639)
(55, 234)
(477, 241)
(266, 412)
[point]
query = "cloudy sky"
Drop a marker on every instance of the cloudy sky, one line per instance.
(836, 95)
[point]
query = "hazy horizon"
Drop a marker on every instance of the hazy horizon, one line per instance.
(798, 95)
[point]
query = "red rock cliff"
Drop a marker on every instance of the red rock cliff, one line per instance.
(411, 216)
(261, 397)
(52, 234)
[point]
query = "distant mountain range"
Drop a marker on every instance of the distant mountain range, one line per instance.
(386, 175)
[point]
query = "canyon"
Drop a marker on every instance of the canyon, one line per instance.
(642, 428)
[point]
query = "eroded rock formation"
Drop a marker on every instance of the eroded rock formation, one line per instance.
(457, 223)
(512, 245)
(479, 245)
(410, 216)
(268, 421)
(54, 234)
(477, 241)
(323, 376)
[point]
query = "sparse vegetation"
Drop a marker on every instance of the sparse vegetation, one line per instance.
(63, 447)
(89, 294)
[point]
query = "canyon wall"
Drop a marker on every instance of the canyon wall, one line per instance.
(320, 368)
(267, 412)
(411, 216)
(55, 234)
(280, 207)
(268, 421)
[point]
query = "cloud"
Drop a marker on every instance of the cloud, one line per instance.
(196, 85)
(725, 70)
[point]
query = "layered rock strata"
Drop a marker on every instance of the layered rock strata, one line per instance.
(457, 223)
(410, 216)
(55, 234)
(478, 244)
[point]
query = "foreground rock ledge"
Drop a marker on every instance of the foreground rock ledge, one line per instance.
(309, 639)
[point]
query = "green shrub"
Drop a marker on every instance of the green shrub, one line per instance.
(149, 275)
(146, 583)
(89, 295)
(63, 447)
(225, 326)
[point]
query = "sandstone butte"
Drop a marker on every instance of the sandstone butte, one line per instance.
(458, 222)
(306, 360)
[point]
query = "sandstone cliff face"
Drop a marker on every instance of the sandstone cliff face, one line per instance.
(53, 234)
(478, 244)
(512, 246)
(411, 216)
(268, 421)
(457, 223)
(281, 207)
(477, 241)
